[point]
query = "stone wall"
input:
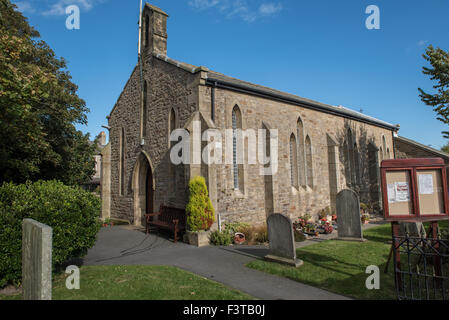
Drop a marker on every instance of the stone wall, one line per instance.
(168, 87)
(327, 133)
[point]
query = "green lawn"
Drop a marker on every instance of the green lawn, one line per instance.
(141, 283)
(339, 266)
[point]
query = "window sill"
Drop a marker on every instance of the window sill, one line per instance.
(238, 194)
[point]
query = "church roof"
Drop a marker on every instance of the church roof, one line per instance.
(423, 147)
(220, 80)
(154, 8)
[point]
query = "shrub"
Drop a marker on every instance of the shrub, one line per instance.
(234, 227)
(255, 234)
(200, 212)
(218, 238)
(72, 213)
(261, 234)
(248, 231)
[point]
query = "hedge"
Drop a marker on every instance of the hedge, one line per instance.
(72, 212)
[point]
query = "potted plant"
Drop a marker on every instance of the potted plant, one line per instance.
(200, 213)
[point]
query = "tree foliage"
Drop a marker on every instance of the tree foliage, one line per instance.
(200, 212)
(445, 148)
(439, 72)
(72, 212)
(39, 108)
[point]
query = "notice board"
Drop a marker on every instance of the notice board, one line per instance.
(414, 189)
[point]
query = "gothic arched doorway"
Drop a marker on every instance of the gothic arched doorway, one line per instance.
(143, 188)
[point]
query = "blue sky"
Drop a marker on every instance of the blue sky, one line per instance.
(317, 49)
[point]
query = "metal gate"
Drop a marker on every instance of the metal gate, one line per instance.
(421, 266)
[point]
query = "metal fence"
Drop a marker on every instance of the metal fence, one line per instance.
(421, 267)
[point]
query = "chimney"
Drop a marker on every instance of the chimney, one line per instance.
(154, 31)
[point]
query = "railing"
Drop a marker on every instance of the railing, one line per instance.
(422, 267)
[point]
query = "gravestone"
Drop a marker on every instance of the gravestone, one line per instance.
(348, 216)
(36, 260)
(282, 241)
(414, 229)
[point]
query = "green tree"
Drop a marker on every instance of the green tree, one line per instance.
(445, 148)
(439, 72)
(39, 108)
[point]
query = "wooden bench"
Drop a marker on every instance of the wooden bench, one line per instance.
(167, 218)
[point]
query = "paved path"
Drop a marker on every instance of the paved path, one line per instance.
(124, 246)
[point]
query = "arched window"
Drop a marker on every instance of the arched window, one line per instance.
(357, 164)
(145, 109)
(122, 162)
(309, 162)
(147, 30)
(237, 149)
(349, 158)
(293, 161)
(384, 147)
(171, 125)
(268, 177)
(301, 153)
(171, 166)
(381, 154)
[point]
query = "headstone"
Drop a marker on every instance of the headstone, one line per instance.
(414, 229)
(282, 240)
(348, 216)
(36, 260)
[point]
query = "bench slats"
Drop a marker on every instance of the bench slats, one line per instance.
(168, 218)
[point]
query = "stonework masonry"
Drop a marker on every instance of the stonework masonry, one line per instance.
(148, 176)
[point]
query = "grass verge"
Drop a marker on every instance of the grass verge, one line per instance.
(140, 283)
(339, 266)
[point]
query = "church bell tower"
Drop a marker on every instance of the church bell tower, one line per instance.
(154, 31)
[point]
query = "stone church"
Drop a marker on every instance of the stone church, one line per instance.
(322, 149)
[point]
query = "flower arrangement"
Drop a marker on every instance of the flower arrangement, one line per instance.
(365, 218)
(307, 217)
(326, 227)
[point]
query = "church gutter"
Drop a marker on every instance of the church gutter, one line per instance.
(222, 84)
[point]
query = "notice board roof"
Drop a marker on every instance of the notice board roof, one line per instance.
(416, 162)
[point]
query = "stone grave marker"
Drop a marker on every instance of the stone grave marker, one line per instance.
(36, 260)
(348, 216)
(414, 229)
(282, 241)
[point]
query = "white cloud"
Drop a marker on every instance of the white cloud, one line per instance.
(58, 9)
(270, 8)
(25, 7)
(244, 9)
(422, 43)
(203, 4)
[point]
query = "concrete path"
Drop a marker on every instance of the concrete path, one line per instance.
(125, 246)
